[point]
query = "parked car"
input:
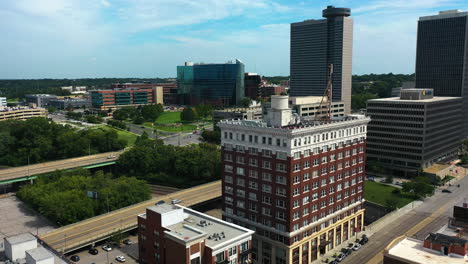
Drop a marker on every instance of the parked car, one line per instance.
(127, 242)
(160, 202)
(176, 201)
(120, 258)
(356, 247)
(334, 262)
(106, 248)
(363, 240)
(93, 251)
(75, 258)
(341, 257)
(446, 191)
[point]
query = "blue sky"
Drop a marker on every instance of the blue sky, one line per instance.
(149, 38)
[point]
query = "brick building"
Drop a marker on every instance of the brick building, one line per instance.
(169, 234)
(253, 84)
(124, 96)
(298, 184)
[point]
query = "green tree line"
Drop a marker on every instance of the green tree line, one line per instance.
(40, 140)
(62, 196)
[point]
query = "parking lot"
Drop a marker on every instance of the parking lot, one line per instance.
(130, 252)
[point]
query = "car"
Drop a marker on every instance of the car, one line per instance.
(93, 251)
(334, 262)
(341, 257)
(127, 242)
(106, 248)
(120, 258)
(363, 240)
(160, 202)
(446, 191)
(356, 247)
(75, 258)
(175, 201)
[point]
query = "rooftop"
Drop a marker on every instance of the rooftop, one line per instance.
(413, 248)
(196, 225)
(18, 239)
(39, 253)
(445, 14)
(397, 99)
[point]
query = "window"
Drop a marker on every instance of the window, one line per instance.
(295, 203)
(324, 148)
(240, 171)
(324, 182)
(280, 179)
(240, 182)
(306, 176)
(296, 227)
(253, 207)
(281, 227)
(253, 162)
(306, 188)
(307, 164)
(297, 155)
(253, 196)
(338, 187)
(305, 211)
(280, 215)
(228, 168)
(227, 157)
(267, 153)
(297, 167)
(281, 167)
(314, 208)
(253, 174)
(316, 162)
(315, 174)
(324, 159)
(296, 192)
(253, 185)
(266, 164)
(340, 155)
(233, 251)
(295, 215)
(266, 188)
(240, 204)
(280, 191)
(281, 155)
(266, 211)
(228, 189)
(307, 153)
(228, 179)
(314, 196)
(332, 168)
(324, 171)
(296, 179)
(315, 185)
(280, 203)
(332, 157)
(305, 200)
(332, 179)
(240, 193)
(332, 189)
(266, 176)
(266, 199)
(253, 151)
(240, 148)
(228, 199)
(323, 193)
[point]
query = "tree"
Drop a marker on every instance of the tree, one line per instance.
(188, 115)
(52, 110)
(246, 102)
(212, 136)
(151, 112)
(359, 101)
(391, 204)
(204, 110)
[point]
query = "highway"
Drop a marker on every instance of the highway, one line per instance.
(428, 217)
(40, 168)
(78, 235)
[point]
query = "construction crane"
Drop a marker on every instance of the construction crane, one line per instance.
(327, 94)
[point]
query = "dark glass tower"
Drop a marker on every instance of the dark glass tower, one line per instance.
(314, 45)
(217, 84)
(442, 56)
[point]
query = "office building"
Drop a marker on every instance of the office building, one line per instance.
(216, 84)
(170, 96)
(3, 102)
(315, 44)
(69, 103)
(268, 90)
(122, 97)
(21, 113)
(249, 113)
(413, 131)
(315, 107)
(169, 234)
(297, 183)
(24, 248)
(442, 56)
(253, 84)
(40, 100)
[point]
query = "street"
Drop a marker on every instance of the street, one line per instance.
(428, 217)
(176, 139)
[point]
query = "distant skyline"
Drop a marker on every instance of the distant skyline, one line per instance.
(149, 38)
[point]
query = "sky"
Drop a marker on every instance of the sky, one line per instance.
(149, 38)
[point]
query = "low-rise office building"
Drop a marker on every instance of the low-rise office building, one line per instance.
(41, 100)
(21, 113)
(309, 106)
(122, 97)
(3, 102)
(171, 234)
(69, 103)
(413, 131)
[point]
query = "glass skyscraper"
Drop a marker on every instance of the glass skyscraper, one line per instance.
(217, 84)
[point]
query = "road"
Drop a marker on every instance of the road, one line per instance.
(23, 171)
(428, 217)
(176, 139)
(83, 233)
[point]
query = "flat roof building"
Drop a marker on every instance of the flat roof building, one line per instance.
(41, 100)
(16, 246)
(69, 103)
(413, 131)
(39, 255)
(442, 57)
(171, 234)
(315, 45)
(219, 84)
(21, 113)
(315, 107)
(3, 102)
(298, 183)
(122, 97)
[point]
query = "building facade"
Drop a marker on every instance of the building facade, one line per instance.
(3, 102)
(40, 100)
(442, 56)
(169, 234)
(217, 84)
(315, 44)
(69, 103)
(413, 131)
(21, 113)
(253, 84)
(298, 184)
(313, 107)
(121, 97)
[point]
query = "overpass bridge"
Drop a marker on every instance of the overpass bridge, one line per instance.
(30, 172)
(87, 232)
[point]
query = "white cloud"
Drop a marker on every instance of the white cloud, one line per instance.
(396, 5)
(105, 3)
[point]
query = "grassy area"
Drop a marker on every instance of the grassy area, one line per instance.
(447, 179)
(169, 128)
(130, 137)
(169, 117)
(379, 193)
